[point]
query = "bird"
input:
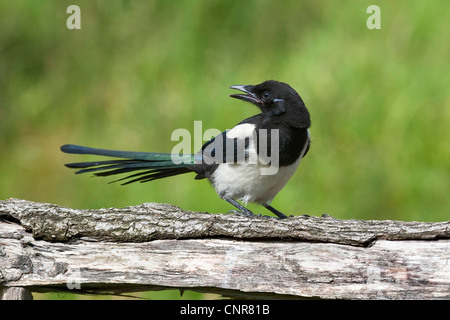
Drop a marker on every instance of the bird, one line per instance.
(237, 161)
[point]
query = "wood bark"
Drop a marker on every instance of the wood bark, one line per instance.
(156, 246)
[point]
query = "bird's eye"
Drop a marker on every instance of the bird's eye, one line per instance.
(266, 96)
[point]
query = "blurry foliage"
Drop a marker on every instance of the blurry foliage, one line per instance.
(137, 70)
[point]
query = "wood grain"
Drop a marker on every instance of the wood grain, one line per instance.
(158, 246)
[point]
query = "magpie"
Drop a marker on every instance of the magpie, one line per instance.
(233, 161)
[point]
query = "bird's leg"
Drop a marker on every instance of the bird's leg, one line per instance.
(275, 211)
(242, 210)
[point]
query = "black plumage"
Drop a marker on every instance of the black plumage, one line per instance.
(225, 159)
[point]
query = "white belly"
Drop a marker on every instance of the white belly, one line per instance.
(246, 183)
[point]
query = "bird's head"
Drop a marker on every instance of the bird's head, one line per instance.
(276, 99)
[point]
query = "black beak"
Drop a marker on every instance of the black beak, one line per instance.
(249, 96)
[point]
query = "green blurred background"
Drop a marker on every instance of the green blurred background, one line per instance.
(137, 70)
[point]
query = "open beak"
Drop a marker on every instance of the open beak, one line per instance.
(249, 96)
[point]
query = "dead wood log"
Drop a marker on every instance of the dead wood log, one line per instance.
(154, 246)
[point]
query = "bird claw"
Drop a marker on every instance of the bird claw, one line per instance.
(242, 214)
(249, 215)
(267, 217)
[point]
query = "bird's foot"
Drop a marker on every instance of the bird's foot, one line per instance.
(267, 217)
(250, 214)
(247, 214)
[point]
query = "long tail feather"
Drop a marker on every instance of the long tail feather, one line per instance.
(151, 165)
(132, 166)
(148, 156)
(156, 174)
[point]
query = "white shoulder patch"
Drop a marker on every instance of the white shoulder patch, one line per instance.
(241, 131)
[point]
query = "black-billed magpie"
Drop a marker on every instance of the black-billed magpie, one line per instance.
(251, 162)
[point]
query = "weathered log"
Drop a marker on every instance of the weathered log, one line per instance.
(15, 293)
(157, 246)
(156, 221)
